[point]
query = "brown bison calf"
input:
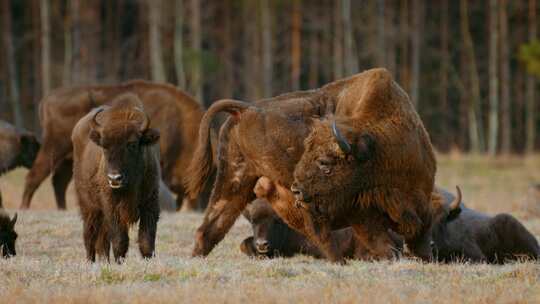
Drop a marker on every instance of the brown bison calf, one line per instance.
(17, 148)
(272, 237)
(8, 236)
(461, 233)
(117, 174)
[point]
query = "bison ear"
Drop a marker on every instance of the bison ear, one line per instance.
(95, 136)
(365, 146)
(149, 137)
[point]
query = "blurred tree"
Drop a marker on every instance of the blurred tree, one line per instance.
(156, 54)
(196, 78)
(296, 38)
(493, 77)
(416, 31)
(505, 78)
(531, 87)
(45, 47)
(178, 44)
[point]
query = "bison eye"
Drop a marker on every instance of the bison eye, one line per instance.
(325, 166)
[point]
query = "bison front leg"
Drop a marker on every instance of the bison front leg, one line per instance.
(319, 232)
(92, 223)
(103, 245)
(120, 241)
(372, 232)
(147, 230)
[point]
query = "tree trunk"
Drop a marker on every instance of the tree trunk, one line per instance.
(404, 74)
(381, 34)
(531, 88)
(68, 51)
(418, 23)
(351, 61)
(178, 47)
(390, 39)
(228, 42)
(156, 55)
(338, 41)
(76, 72)
(314, 47)
(266, 23)
(506, 127)
(493, 78)
(475, 123)
(445, 62)
(196, 82)
(295, 44)
(14, 98)
(45, 47)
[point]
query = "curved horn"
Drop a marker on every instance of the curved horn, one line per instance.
(93, 122)
(342, 141)
(13, 220)
(146, 120)
(457, 201)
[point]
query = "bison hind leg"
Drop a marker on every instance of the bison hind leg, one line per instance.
(514, 238)
(60, 179)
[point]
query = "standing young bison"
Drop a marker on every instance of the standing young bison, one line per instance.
(117, 173)
(266, 139)
(370, 166)
(8, 236)
(461, 233)
(17, 148)
(175, 114)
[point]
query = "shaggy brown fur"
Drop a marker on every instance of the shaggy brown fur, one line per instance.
(464, 234)
(175, 114)
(17, 148)
(116, 172)
(8, 236)
(384, 177)
(272, 237)
(266, 139)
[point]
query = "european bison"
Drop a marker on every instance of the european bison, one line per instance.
(272, 237)
(17, 148)
(461, 233)
(372, 167)
(265, 138)
(8, 236)
(175, 114)
(116, 172)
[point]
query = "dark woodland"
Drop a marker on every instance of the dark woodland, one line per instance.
(471, 68)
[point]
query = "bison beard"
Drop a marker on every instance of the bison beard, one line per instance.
(266, 139)
(117, 175)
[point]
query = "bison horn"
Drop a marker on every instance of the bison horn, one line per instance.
(457, 201)
(13, 220)
(93, 123)
(342, 141)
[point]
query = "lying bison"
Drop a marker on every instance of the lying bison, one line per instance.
(272, 237)
(175, 114)
(17, 148)
(461, 233)
(116, 172)
(266, 139)
(8, 236)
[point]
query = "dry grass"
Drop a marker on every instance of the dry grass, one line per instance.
(51, 266)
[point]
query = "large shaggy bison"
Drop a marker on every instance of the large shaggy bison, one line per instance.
(17, 148)
(370, 166)
(117, 174)
(8, 236)
(461, 233)
(266, 139)
(175, 114)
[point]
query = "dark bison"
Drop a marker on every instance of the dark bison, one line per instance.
(272, 237)
(116, 172)
(175, 114)
(266, 139)
(17, 148)
(461, 233)
(372, 167)
(8, 236)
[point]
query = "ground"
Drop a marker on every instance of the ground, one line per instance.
(51, 267)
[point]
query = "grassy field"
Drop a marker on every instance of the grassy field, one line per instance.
(51, 266)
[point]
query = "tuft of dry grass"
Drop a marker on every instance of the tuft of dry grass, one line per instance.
(51, 266)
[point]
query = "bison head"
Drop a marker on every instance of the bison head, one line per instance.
(332, 163)
(8, 236)
(122, 136)
(29, 147)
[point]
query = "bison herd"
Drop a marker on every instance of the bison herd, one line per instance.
(346, 171)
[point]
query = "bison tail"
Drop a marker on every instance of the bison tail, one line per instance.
(201, 166)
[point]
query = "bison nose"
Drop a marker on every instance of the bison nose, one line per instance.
(115, 180)
(261, 245)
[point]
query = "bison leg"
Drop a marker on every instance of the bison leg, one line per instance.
(320, 233)
(92, 225)
(103, 245)
(60, 179)
(147, 231)
(372, 233)
(120, 241)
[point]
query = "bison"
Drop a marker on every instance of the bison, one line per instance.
(8, 236)
(461, 233)
(117, 174)
(17, 148)
(175, 114)
(266, 138)
(272, 237)
(370, 166)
